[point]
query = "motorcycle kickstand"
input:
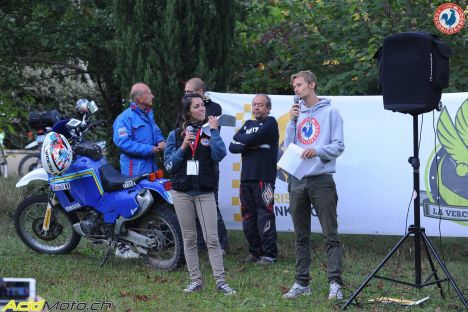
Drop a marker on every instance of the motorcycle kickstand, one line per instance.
(109, 252)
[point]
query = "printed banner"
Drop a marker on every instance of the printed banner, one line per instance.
(373, 177)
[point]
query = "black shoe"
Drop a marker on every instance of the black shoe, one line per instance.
(251, 259)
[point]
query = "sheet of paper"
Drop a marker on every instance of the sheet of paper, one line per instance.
(292, 163)
(223, 121)
(403, 302)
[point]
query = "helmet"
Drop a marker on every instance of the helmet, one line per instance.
(81, 106)
(56, 153)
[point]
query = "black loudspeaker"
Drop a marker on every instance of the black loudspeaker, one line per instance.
(414, 68)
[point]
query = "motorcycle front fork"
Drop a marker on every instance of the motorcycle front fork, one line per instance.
(48, 213)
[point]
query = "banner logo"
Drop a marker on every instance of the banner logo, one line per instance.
(449, 18)
(446, 195)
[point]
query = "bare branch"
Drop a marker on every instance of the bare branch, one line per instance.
(74, 67)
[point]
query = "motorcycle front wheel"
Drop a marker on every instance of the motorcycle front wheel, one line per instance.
(29, 218)
(161, 224)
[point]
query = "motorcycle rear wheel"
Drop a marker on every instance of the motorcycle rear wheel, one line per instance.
(29, 163)
(161, 224)
(29, 217)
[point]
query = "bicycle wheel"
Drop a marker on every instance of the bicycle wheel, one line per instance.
(29, 163)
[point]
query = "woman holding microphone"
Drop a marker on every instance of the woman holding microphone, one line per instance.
(191, 158)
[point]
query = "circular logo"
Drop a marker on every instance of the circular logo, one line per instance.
(449, 18)
(205, 141)
(445, 184)
(308, 130)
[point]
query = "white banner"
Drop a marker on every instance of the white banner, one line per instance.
(373, 176)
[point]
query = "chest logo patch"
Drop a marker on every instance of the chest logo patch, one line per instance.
(122, 132)
(308, 130)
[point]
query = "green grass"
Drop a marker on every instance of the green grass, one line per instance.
(131, 285)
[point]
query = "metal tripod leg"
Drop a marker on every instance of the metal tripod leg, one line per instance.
(434, 271)
(444, 268)
(370, 276)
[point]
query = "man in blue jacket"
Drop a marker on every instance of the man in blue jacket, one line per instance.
(136, 134)
(139, 139)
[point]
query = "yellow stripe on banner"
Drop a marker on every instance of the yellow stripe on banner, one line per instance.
(236, 166)
(235, 201)
(237, 217)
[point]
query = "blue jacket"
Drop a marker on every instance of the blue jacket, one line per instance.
(135, 134)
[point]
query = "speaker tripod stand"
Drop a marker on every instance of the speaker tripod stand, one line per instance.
(419, 237)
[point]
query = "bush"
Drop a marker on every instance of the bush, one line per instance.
(12, 196)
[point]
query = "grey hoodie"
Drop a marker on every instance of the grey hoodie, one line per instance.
(319, 127)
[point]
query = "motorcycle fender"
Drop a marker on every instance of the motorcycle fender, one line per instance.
(158, 187)
(31, 145)
(36, 174)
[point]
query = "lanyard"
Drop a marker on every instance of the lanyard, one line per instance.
(194, 145)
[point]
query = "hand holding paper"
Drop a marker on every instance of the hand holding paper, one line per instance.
(223, 121)
(292, 161)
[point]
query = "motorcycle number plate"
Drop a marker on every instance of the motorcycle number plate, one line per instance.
(73, 123)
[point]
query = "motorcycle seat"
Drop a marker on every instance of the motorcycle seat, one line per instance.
(113, 181)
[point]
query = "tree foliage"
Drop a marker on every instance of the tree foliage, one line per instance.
(165, 43)
(335, 39)
(54, 52)
(51, 54)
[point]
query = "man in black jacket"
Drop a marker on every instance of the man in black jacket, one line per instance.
(257, 141)
(196, 85)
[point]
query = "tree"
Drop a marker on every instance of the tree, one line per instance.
(52, 53)
(335, 39)
(165, 43)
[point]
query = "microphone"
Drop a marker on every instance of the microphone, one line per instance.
(297, 98)
(189, 130)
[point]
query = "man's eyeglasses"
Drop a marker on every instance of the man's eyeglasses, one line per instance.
(190, 92)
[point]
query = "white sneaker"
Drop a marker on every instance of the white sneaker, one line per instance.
(335, 291)
(125, 252)
(296, 291)
(225, 289)
(193, 287)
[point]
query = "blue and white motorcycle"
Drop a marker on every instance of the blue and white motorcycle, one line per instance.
(89, 198)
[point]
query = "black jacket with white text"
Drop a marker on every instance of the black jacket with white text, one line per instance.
(257, 141)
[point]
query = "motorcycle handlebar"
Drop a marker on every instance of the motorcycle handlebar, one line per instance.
(93, 125)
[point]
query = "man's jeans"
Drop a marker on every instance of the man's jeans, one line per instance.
(319, 191)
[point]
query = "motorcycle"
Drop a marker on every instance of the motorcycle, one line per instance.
(41, 122)
(93, 200)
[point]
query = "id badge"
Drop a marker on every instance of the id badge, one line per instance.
(192, 167)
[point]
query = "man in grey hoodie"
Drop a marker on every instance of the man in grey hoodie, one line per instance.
(318, 129)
